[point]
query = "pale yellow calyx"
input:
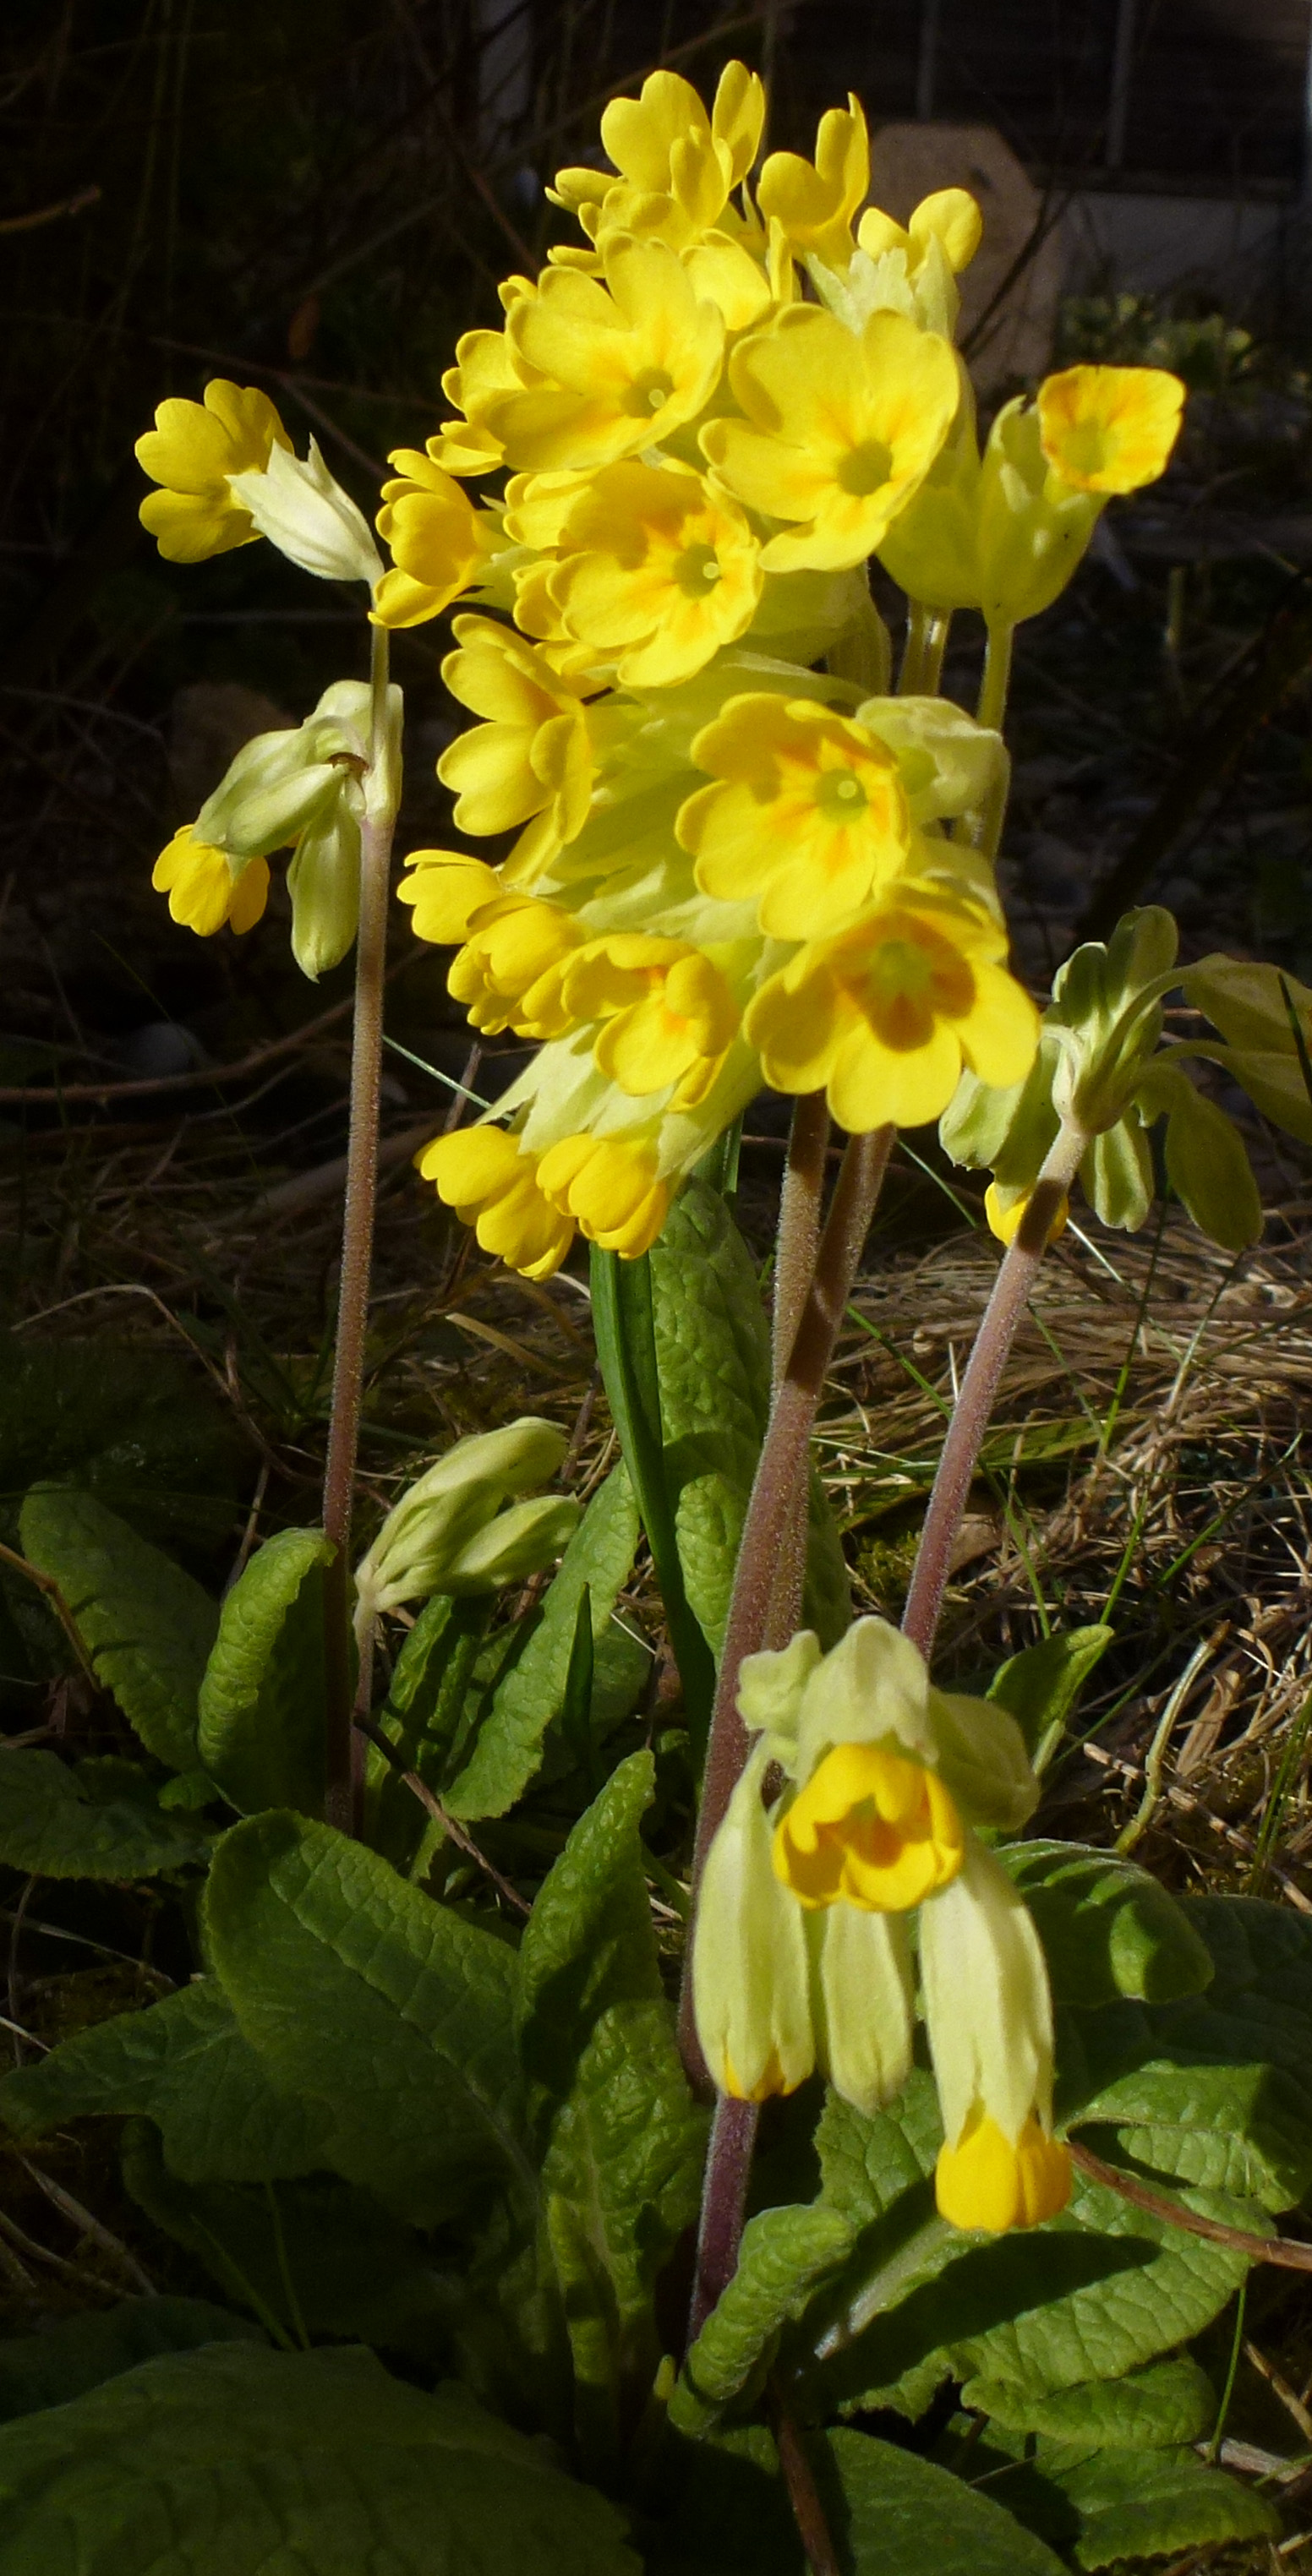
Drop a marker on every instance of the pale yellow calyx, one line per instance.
(871, 1827)
(988, 2180)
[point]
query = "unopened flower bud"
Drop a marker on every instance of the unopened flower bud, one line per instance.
(450, 1533)
(750, 1964)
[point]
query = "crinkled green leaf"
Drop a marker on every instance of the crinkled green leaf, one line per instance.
(1107, 1928)
(624, 2139)
(361, 1993)
(183, 2063)
(785, 2252)
(261, 1733)
(235, 2461)
(896, 2515)
(1169, 2402)
(147, 1626)
(78, 2353)
(95, 1819)
(531, 1692)
(1151, 2504)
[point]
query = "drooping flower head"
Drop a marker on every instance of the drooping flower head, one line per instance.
(190, 453)
(800, 1953)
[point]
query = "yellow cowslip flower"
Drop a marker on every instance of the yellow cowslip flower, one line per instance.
(949, 218)
(841, 429)
(808, 816)
(446, 889)
(883, 1016)
(1004, 1210)
(989, 2015)
(991, 2181)
(486, 367)
(440, 543)
(677, 166)
(509, 974)
(610, 1187)
(668, 1013)
(531, 763)
(815, 203)
(873, 1827)
(481, 1173)
(204, 890)
(655, 566)
(621, 365)
(191, 451)
(1109, 429)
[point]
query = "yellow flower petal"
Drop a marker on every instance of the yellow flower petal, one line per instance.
(988, 2180)
(1109, 429)
(871, 1827)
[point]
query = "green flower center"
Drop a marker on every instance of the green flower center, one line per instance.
(840, 796)
(865, 469)
(697, 570)
(648, 393)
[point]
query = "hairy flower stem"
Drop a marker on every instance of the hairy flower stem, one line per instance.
(979, 1388)
(781, 1473)
(795, 1258)
(357, 1255)
(923, 651)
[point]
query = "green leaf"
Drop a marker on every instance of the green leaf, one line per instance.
(261, 1733)
(97, 1820)
(311, 2255)
(362, 1994)
(233, 2461)
(624, 1326)
(712, 1346)
(183, 2063)
(625, 2141)
(896, 2515)
(137, 1427)
(1151, 2504)
(1042, 1684)
(1090, 2295)
(531, 1693)
(1107, 1928)
(1212, 2089)
(890, 2513)
(75, 2354)
(147, 1626)
(784, 2253)
(1168, 2403)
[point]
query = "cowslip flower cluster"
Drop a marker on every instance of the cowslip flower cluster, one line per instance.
(734, 859)
(801, 1955)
